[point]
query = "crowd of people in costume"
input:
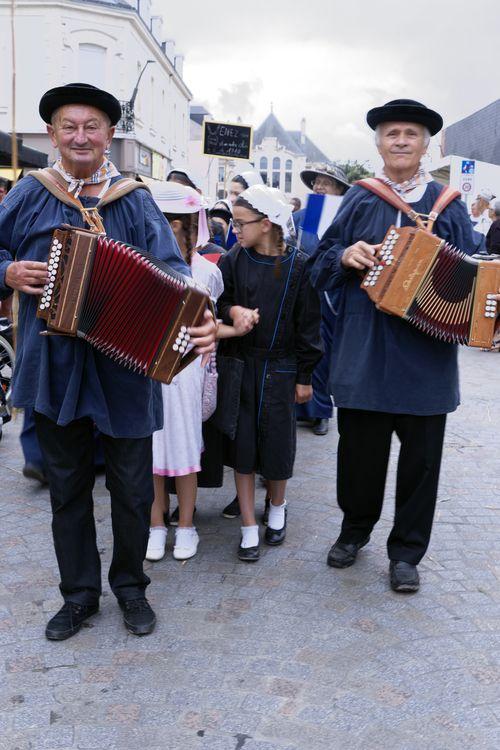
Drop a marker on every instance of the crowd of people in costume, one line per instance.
(293, 329)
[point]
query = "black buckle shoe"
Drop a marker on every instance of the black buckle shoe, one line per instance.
(69, 620)
(321, 426)
(138, 617)
(274, 537)
(233, 509)
(265, 515)
(343, 555)
(249, 554)
(404, 577)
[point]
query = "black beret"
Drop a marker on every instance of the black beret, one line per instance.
(405, 110)
(79, 93)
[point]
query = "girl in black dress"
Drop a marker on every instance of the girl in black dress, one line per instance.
(261, 273)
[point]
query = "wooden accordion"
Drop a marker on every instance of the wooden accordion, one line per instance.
(439, 289)
(125, 302)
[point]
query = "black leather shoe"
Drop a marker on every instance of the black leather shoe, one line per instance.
(233, 509)
(320, 426)
(265, 515)
(138, 617)
(33, 471)
(344, 555)
(68, 620)
(274, 537)
(249, 554)
(404, 577)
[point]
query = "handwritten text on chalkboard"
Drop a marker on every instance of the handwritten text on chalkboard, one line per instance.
(227, 140)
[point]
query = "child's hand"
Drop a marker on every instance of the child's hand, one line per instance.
(244, 319)
(303, 393)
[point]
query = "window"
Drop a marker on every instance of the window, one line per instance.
(92, 64)
(276, 163)
(221, 173)
(152, 102)
(276, 179)
(263, 169)
(288, 176)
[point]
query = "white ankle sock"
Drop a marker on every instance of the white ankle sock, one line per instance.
(277, 516)
(159, 528)
(249, 536)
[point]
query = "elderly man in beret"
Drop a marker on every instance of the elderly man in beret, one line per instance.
(71, 386)
(387, 377)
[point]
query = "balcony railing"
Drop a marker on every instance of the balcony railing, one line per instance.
(126, 124)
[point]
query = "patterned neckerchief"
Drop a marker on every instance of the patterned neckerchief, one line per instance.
(106, 171)
(421, 177)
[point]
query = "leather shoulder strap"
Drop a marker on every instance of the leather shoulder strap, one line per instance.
(445, 197)
(118, 189)
(57, 185)
(54, 183)
(379, 188)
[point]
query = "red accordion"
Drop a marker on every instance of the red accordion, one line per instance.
(125, 302)
(439, 289)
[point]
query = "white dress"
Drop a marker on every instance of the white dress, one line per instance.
(177, 448)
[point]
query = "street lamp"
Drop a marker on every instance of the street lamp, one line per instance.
(134, 93)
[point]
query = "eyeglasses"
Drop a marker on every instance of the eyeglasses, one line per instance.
(239, 225)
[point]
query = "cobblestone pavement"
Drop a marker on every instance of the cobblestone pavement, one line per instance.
(287, 654)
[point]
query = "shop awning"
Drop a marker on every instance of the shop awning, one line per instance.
(27, 157)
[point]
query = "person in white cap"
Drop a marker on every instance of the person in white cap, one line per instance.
(241, 182)
(178, 446)
(484, 198)
(262, 272)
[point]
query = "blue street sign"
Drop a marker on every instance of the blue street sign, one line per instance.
(468, 166)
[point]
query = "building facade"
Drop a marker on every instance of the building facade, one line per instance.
(113, 44)
(280, 155)
(476, 136)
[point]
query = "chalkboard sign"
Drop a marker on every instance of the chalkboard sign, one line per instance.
(227, 140)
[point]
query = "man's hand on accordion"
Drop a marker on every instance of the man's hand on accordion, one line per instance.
(359, 256)
(28, 276)
(203, 337)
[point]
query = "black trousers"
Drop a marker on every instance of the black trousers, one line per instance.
(363, 456)
(69, 459)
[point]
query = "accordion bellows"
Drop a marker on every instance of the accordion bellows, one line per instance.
(125, 302)
(435, 287)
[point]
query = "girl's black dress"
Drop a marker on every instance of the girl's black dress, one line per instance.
(279, 352)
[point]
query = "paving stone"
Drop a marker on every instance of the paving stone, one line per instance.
(287, 654)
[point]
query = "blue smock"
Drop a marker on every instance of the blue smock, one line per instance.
(380, 362)
(62, 377)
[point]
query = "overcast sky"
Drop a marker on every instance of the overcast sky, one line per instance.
(331, 60)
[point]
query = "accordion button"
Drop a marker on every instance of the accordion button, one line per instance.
(379, 268)
(183, 329)
(366, 283)
(178, 341)
(389, 262)
(175, 347)
(187, 337)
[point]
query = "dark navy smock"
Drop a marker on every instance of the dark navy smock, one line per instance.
(380, 362)
(65, 378)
